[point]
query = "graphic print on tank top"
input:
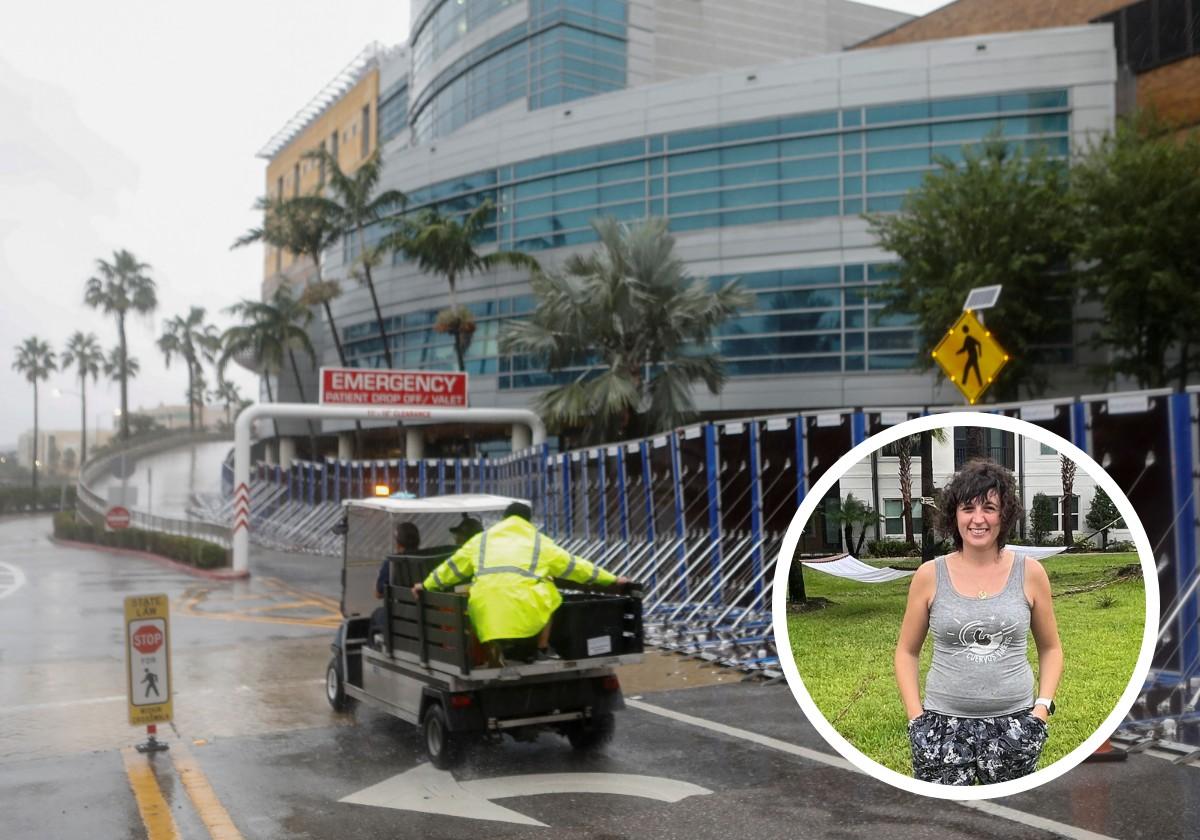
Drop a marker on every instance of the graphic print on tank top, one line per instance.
(983, 641)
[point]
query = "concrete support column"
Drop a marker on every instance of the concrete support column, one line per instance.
(287, 452)
(414, 442)
(271, 452)
(345, 446)
(520, 437)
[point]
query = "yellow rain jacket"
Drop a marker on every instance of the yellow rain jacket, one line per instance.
(512, 596)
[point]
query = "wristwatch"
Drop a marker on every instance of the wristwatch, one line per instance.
(1048, 702)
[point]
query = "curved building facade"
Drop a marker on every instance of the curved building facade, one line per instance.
(559, 111)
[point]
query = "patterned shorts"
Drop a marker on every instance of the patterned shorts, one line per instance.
(965, 751)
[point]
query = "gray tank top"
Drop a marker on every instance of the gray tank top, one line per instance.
(979, 666)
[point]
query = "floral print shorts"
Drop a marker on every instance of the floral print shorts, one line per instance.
(950, 750)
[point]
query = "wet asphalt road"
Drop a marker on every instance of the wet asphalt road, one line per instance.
(258, 753)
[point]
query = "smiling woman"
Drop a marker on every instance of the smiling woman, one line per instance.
(979, 721)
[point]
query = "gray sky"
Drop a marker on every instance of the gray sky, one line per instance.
(137, 129)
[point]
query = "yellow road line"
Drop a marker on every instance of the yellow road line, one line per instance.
(216, 819)
(156, 813)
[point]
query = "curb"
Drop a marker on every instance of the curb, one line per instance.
(211, 574)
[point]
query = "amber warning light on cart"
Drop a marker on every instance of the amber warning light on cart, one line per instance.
(354, 386)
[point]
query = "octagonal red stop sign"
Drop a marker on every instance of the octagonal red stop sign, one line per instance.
(147, 638)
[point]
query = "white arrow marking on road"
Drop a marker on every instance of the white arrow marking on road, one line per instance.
(11, 579)
(431, 791)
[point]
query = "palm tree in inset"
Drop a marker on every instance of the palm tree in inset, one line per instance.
(444, 245)
(84, 354)
(194, 341)
(269, 333)
(121, 287)
(35, 360)
(354, 203)
(635, 324)
(306, 228)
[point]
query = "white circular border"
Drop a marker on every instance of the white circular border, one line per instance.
(825, 483)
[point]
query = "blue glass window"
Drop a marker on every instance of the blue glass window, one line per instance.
(909, 135)
(810, 168)
(898, 159)
(903, 112)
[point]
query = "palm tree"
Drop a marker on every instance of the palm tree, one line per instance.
(443, 245)
(1068, 468)
(849, 514)
(193, 341)
(902, 450)
(122, 287)
(269, 332)
(227, 393)
(35, 360)
(304, 227)
(115, 367)
(84, 353)
(353, 202)
(633, 318)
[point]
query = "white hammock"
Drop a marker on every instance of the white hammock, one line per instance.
(845, 566)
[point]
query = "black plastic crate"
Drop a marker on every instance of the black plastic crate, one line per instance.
(597, 625)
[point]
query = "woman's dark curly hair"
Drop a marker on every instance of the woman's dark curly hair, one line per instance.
(972, 483)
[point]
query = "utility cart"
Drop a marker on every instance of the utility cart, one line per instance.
(421, 662)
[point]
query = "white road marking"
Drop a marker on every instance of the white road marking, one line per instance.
(428, 790)
(764, 740)
(11, 579)
(1070, 832)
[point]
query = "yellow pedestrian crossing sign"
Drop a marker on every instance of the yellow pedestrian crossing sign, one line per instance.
(970, 356)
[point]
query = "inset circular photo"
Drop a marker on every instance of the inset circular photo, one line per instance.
(966, 605)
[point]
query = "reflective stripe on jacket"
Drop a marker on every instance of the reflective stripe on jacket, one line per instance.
(512, 566)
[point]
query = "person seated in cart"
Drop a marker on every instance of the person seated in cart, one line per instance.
(405, 537)
(513, 597)
(466, 528)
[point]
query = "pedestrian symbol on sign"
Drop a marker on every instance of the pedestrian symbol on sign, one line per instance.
(151, 683)
(972, 348)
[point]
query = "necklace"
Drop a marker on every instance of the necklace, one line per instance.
(982, 594)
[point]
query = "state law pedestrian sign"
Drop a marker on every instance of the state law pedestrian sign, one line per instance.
(148, 668)
(970, 355)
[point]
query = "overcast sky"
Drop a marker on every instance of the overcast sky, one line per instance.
(134, 125)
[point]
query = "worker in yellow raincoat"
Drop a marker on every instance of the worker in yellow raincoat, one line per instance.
(512, 566)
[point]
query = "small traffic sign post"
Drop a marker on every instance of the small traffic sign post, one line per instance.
(970, 355)
(148, 667)
(117, 518)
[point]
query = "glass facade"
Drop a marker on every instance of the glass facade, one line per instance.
(566, 50)
(393, 111)
(825, 319)
(449, 22)
(795, 167)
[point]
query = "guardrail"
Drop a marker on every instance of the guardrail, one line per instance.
(92, 506)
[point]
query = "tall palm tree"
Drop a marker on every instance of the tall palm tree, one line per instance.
(227, 394)
(1068, 468)
(351, 198)
(194, 341)
(84, 353)
(443, 245)
(271, 332)
(122, 286)
(638, 324)
(35, 360)
(306, 228)
(902, 450)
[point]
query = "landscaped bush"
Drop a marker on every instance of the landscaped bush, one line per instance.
(892, 548)
(1121, 545)
(21, 500)
(199, 553)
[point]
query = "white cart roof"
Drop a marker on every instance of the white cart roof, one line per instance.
(460, 503)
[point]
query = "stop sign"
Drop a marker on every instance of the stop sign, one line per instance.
(117, 518)
(147, 638)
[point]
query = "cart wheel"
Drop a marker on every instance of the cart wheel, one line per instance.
(335, 686)
(445, 748)
(593, 733)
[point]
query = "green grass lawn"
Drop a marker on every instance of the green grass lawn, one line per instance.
(844, 653)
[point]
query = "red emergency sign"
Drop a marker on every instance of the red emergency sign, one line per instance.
(356, 386)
